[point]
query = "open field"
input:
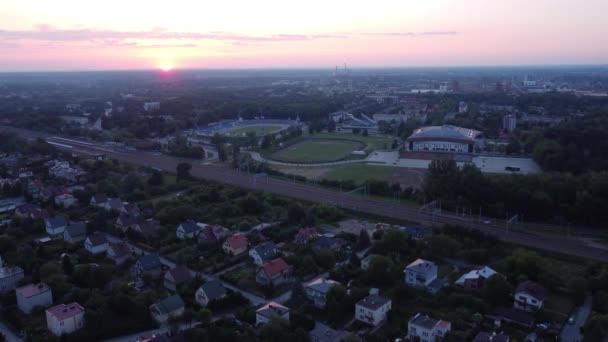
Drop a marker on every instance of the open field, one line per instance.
(259, 130)
(317, 150)
(373, 142)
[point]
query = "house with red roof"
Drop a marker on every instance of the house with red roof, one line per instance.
(65, 318)
(273, 272)
(235, 244)
(305, 235)
(213, 234)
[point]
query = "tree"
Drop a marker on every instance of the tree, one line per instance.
(183, 171)
(325, 258)
(295, 213)
(497, 290)
(578, 286)
(443, 246)
(363, 242)
(68, 267)
(156, 178)
(379, 271)
(365, 133)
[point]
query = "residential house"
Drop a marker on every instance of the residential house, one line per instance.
(426, 329)
(9, 277)
(213, 234)
(318, 289)
(33, 295)
(31, 211)
(263, 252)
(24, 173)
(131, 209)
(475, 279)
(170, 307)
(98, 200)
(119, 252)
(114, 204)
(273, 272)
(416, 232)
(147, 264)
(366, 261)
(49, 193)
(484, 336)
(420, 273)
(373, 308)
(305, 235)
(529, 296)
(65, 200)
(328, 242)
(189, 230)
(210, 291)
(125, 222)
(75, 232)
(34, 187)
(55, 225)
(148, 228)
(176, 276)
(65, 318)
(235, 244)
(96, 243)
(270, 311)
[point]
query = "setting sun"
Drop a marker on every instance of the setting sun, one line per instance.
(166, 67)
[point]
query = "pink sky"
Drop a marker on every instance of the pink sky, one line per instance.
(134, 34)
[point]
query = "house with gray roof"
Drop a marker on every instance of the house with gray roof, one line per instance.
(147, 264)
(420, 273)
(55, 225)
(189, 229)
(9, 277)
(75, 232)
(263, 253)
(33, 295)
(424, 328)
(170, 307)
(318, 289)
(210, 291)
(373, 308)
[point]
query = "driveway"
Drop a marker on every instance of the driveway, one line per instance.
(572, 332)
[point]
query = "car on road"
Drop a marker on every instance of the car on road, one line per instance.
(571, 320)
(487, 222)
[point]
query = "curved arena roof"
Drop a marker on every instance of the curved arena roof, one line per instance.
(446, 132)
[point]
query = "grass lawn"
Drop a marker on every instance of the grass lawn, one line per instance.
(373, 142)
(559, 303)
(258, 129)
(316, 151)
(359, 172)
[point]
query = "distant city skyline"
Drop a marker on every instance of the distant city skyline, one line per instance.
(232, 34)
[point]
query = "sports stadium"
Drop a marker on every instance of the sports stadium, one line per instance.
(445, 139)
(241, 127)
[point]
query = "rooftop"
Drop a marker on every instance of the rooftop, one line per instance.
(374, 302)
(272, 309)
(532, 288)
(424, 321)
(32, 290)
(63, 311)
(275, 266)
(445, 132)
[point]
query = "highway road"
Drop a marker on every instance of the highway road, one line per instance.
(554, 243)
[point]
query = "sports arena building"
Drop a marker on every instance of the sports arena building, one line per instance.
(445, 139)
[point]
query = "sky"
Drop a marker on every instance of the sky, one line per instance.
(38, 35)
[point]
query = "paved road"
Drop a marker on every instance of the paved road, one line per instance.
(553, 243)
(572, 332)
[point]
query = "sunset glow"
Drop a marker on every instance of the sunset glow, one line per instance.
(72, 35)
(166, 67)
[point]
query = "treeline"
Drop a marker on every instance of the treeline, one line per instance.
(574, 146)
(556, 197)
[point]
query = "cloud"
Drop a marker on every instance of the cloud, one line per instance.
(45, 32)
(411, 34)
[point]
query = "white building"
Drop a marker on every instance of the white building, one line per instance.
(150, 106)
(269, 311)
(420, 273)
(65, 319)
(427, 329)
(509, 122)
(445, 138)
(33, 295)
(463, 107)
(373, 308)
(96, 243)
(318, 289)
(529, 296)
(9, 277)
